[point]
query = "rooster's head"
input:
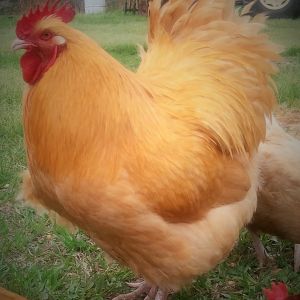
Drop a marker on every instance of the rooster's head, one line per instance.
(38, 33)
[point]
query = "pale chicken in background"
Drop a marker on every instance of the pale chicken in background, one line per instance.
(278, 203)
(158, 166)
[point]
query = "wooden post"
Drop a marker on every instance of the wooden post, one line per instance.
(7, 295)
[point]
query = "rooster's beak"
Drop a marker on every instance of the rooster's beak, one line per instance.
(20, 44)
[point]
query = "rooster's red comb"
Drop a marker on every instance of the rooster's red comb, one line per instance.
(276, 292)
(25, 25)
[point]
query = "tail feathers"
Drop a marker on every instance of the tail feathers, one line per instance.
(181, 19)
(248, 8)
(164, 18)
(212, 25)
(222, 59)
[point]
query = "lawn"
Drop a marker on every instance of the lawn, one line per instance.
(42, 261)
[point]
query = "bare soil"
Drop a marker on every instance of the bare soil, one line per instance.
(289, 119)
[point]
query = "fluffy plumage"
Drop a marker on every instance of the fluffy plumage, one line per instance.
(278, 208)
(157, 166)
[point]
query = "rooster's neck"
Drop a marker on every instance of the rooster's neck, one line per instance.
(86, 105)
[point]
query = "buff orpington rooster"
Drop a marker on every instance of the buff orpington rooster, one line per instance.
(158, 166)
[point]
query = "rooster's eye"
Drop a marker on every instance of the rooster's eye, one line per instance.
(46, 35)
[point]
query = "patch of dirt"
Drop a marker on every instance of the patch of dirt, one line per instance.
(289, 119)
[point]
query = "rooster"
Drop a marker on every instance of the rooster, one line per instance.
(158, 166)
(278, 203)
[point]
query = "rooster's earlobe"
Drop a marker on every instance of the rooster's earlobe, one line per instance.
(59, 40)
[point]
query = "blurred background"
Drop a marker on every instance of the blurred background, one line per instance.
(274, 8)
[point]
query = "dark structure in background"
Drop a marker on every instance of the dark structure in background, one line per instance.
(273, 8)
(282, 8)
(136, 6)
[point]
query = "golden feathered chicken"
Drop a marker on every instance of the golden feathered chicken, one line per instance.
(158, 166)
(278, 203)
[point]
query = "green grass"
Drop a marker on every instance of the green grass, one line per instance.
(43, 261)
(288, 80)
(116, 29)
